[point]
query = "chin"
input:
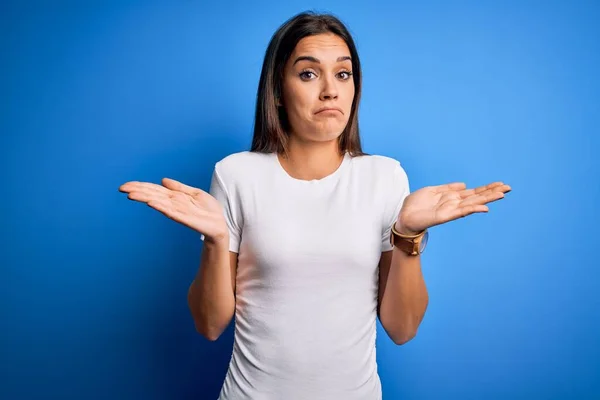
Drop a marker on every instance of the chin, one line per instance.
(322, 133)
(329, 132)
(326, 136)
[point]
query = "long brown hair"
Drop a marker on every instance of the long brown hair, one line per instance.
(270, 122)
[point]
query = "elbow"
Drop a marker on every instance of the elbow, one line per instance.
(211, 334)
(211, 322)
(210, 328)
(400, 339)
(400, 332)
(202, 325)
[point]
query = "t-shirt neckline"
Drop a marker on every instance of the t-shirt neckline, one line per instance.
(325, 179)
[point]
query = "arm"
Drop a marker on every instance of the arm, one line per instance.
(403, 296)
(211, 296)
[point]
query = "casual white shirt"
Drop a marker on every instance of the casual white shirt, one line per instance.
(307, 275)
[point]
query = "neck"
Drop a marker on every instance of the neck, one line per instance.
(308, 161)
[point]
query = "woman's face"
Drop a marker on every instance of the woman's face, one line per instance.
(318, 88)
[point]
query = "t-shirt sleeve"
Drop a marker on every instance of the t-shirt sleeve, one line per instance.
(399, 189)
(231, 210)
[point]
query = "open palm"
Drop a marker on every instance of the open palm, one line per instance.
(435, 205)
(187, 205)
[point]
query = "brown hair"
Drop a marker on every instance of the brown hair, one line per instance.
(270, 122)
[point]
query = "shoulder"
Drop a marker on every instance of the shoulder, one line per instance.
(377, 160)
(377, 164)
(242, 159)
(382, 174)
(237, 166)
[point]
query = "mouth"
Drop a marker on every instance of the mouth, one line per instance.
(329, 110)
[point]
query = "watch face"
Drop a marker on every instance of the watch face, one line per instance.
(423, 243)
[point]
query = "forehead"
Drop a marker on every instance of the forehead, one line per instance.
(322, 44)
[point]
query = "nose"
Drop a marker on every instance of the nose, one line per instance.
(329, 90)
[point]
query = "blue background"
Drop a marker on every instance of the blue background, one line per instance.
(93, 296)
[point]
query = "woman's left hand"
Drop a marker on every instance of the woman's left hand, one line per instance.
(435, 205)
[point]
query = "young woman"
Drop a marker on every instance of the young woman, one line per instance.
(307, 240)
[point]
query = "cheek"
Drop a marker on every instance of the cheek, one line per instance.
(298, 101)
(349, 95)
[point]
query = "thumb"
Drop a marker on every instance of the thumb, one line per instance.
(180, 187)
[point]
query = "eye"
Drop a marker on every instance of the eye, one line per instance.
(306, 75)
(345, 75)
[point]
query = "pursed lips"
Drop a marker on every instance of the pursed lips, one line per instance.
(324, 109)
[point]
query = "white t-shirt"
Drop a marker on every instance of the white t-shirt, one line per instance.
(307, 276)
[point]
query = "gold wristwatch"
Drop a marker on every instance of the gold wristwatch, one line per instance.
(412, 245)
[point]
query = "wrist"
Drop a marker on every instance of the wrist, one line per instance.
(404, 230)
(218, 239)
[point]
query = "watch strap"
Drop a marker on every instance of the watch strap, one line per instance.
(407, 243)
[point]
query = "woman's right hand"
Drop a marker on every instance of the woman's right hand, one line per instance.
(187, 205)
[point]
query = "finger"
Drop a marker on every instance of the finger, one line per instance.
(494, 196)
(460, 187)
(142, 186)
(484, 190)
(480, 189)
(484, 198)
(466, 193)
(487, 197)
(504, 188)
(148, 191)
(461, 212)
(475, 208)
(124, 188)
(129, 186)
(146, 195)
(495, 187)
(454, 186)
(180, 187)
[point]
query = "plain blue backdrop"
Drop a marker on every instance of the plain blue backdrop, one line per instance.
(93, 296)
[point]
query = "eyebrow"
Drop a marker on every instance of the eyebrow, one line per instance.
(316, 60)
